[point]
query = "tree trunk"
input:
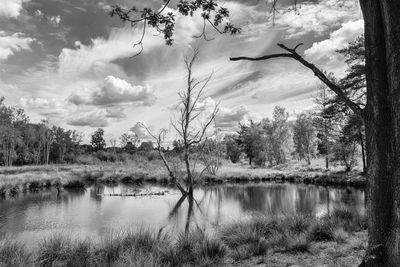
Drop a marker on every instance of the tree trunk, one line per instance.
(362, 150)
(326, 145)
(188, 172)
(382, 42)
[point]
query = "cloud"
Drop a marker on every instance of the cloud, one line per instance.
(38, 103)
(119, 44)
(139, 130)
(115, 113)
(230, 117)
(54, 20)
(11, 8)
(337, 40)
(317, 18)
(100, 51)
(227, 117)
(114, 91)
(95, 118)
(10, 44)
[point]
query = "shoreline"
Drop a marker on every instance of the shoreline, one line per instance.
(35, 178)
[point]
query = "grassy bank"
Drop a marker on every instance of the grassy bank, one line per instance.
(337, 240)
(140, 170)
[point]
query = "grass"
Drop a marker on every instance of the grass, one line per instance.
(288, 234)
(140, 169)
(240, 242)
(13, 253)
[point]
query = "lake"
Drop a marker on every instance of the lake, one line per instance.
(92, 212)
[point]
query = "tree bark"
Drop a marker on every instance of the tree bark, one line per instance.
(382, 43)
(362, 150)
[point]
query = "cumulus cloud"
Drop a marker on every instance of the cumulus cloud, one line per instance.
(11, 8)
(139, 130)
(94, 118)
(12, 43)
(227, 117)
(114, 91)
(338, 39)
(317, 18)
(230, 117)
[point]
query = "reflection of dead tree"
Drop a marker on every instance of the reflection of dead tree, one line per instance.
(190, 211)
(194, 205)
(176, 207)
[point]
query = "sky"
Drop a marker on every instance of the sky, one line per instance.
(67, 61)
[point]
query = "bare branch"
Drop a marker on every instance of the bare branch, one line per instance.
(317, 72)
(159, 139)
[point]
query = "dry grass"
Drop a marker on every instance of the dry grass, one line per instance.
(140, 169)
(298, 239)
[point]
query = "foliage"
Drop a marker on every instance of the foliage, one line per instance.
(268, 140)
(233, 150)
(146, 146)
(209, 10)
(278, 136)
(251, 139)
(98, 142)
(345, 151)
(304, 137)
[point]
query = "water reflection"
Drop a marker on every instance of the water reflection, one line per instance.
(92, 213)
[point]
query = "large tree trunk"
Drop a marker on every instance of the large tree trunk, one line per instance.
(382, 42)
(361, 137)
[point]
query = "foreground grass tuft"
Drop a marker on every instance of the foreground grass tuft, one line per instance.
(239, 241)
(13, 254)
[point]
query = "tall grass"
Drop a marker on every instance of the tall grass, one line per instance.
(13, 253)
(146, 247)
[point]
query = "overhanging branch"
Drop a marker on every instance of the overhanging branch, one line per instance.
(317, 72)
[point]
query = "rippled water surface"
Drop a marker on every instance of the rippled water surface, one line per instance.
(92, 213)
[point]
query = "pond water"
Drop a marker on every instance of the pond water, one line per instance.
(92, 213)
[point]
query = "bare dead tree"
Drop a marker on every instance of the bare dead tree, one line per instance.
(189, 125)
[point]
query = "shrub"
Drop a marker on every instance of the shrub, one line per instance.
(193, 249)
(106, 156)
(233, 149)
(152, 155)
(340, 235)
(297, 244)
(87, 159)
(347, 219)
(321, 230)
(297, 223)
